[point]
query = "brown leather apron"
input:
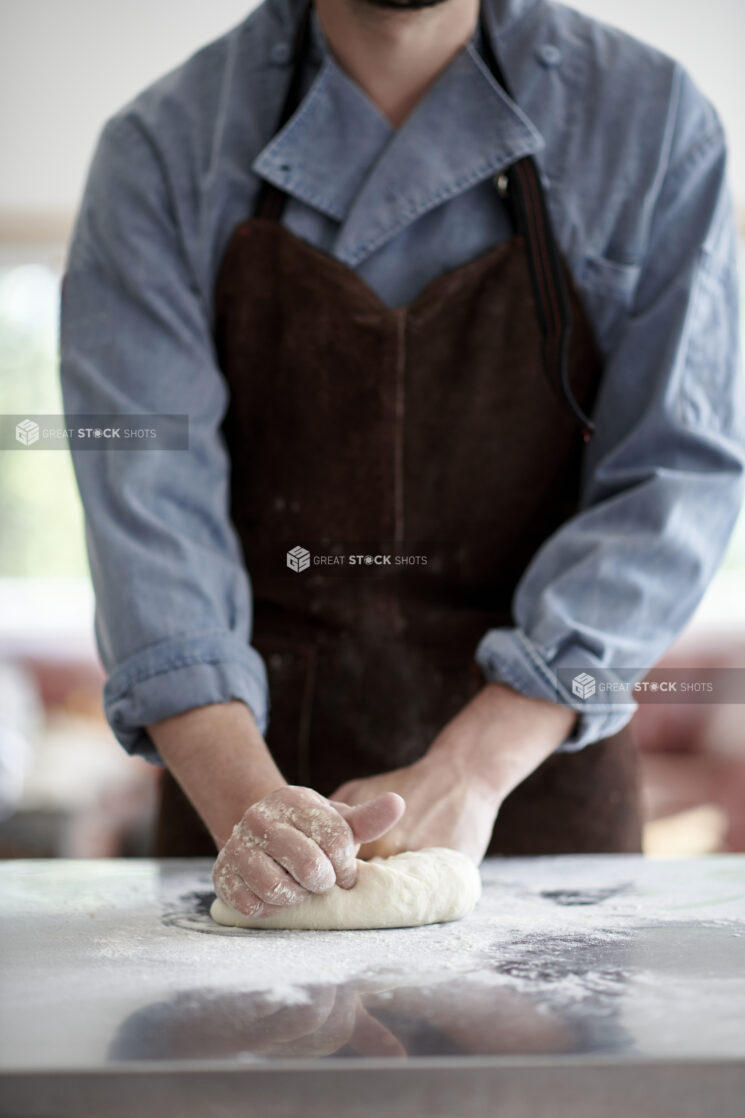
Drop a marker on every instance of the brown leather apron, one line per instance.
(429, 430)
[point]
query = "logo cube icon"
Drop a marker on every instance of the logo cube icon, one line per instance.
(298, 559)
(27, 432)
(583, 685)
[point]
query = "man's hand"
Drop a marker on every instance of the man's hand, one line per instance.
(290, 841)
(293, 843)
(453, 793)
(443, 808)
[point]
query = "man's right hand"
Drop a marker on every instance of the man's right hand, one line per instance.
(294, 842)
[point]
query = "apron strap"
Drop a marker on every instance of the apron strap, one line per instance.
(521, 189)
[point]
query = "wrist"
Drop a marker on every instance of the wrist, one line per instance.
(221, 761)
(501, 736)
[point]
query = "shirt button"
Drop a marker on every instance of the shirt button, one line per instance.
(549, 56)
(280, 53)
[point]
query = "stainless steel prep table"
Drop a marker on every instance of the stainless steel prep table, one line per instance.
(584, 986)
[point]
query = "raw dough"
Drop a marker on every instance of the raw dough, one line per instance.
(417, 887)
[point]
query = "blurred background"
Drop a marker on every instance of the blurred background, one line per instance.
(66, 787)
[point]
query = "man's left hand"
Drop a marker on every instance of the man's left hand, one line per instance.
(441, 809)
(453, 793)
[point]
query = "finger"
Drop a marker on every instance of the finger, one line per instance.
(268, 880)
(233, 891)
(371, 820)
(371, 1038)
(304, 1033)
(329, 1037)
(290, 848)
(324, 825)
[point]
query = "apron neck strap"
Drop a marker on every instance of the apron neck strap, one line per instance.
(521, 189)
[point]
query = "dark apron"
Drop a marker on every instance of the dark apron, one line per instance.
(441, 429)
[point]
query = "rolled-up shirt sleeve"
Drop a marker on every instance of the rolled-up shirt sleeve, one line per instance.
(663, 477)
(173, 599)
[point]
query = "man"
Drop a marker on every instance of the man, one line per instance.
(450, 286)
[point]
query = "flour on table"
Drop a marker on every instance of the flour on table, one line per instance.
(430, 886)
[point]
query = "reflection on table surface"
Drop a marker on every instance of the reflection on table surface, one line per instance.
(106, 963)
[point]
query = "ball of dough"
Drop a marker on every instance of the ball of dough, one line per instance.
(404, 891)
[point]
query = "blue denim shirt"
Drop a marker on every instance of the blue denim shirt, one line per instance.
(633, 160)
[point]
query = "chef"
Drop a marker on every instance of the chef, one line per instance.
(449, 285)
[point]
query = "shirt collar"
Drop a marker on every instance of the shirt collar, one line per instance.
(328, 146)
(464, 130)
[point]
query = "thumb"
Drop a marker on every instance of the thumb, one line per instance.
(371, 820)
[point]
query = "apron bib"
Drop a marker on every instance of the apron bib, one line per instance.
(439, 431)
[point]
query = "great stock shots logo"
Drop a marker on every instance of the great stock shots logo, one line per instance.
(27, 432)
(352, 559)
(298, 559)
(583, 685)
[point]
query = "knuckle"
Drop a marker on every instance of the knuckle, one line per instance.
(256, 826)
(341, 850)
(252, 907)
(316, 874)
(257, 813)
(294, 794)
(283, 893)
(233, 892)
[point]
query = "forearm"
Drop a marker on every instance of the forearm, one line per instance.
(501, 737)
(218, 756)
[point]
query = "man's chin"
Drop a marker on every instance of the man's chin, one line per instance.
(402, 5)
